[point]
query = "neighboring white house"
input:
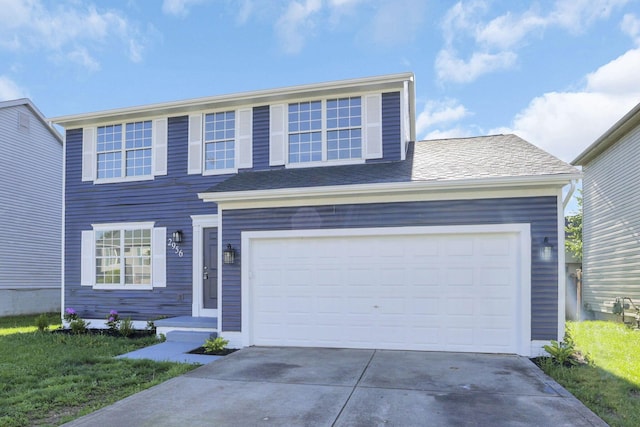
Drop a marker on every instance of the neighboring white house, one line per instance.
(30, 210)
(611, 216)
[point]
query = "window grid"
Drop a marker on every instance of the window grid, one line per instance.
(344, 128)
(305, 132)
(135, 153)
(138, 148)
(219, 137)
(128, 248)
(109, 151)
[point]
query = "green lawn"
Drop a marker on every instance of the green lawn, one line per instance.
(610, 383)
(49, 379)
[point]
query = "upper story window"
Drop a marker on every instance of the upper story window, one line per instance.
(121, 154)
(335, 130)
(124, 151)
(325, 130)
(219, 141)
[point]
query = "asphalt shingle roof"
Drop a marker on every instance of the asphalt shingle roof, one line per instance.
(495, 156)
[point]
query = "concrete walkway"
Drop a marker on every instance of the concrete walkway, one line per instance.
(340, 387)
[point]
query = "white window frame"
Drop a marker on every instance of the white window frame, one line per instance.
(158, 256)
(323, 134)
(222, 171)
(243, 142)
(371, 130)
(159, 132)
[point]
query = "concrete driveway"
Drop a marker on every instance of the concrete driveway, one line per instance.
(341, 387)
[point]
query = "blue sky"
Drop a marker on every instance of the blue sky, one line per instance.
(557, 73)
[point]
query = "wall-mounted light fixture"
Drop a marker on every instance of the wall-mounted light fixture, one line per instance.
(546, 250)
(177, 236)
(229, 255)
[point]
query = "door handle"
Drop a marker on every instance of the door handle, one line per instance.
(205, 276)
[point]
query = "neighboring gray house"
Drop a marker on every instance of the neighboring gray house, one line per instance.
(611, 216)
(30, 210)
(310, 216)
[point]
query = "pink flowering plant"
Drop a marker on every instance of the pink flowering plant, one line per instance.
(113, 320)
(77, 325)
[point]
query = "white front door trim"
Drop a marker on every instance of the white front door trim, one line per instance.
(524, 264)
(200, 222)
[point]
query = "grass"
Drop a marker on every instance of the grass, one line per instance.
(49, 379)
(609, 384)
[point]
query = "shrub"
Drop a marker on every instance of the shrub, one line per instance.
(42, 322)
(563, 352)
(126, 327)
(77, 325)
(215, 345)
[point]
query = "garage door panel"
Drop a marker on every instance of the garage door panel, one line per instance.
(424, 292)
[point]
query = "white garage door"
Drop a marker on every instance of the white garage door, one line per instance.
(442, 292)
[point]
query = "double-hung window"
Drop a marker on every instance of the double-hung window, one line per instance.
(219, 141)
(124, 154)
(124, 256)
(125, 151)
(325, 130)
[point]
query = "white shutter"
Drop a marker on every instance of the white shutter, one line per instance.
(277, 135)
(159, 255)
(373, 126)
(160, 147)
(88, 154)
(87, 259)
(244, 141)
(195, 144)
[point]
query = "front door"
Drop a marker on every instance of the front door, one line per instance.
(210, 268)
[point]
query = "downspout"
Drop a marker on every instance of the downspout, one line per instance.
(567, 198)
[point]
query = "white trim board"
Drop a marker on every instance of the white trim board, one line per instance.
(199, 222)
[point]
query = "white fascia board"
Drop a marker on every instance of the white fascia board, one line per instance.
(379, 83)
(395, 188)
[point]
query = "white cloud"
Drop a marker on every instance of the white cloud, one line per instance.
(82, 57)
(385, 28)
(501, 36)
(456, 132)
(565, 123)
(178, 8)
(68, 29)
(631, 26)
(296, 23)
(439, 112)
(10, 89)
(452, 68)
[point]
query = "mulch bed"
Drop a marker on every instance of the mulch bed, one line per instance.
(137, 333)
(225, 352)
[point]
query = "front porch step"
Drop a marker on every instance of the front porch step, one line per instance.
(187, 328)
(190, 336)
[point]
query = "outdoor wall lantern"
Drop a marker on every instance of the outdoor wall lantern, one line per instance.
(177, 236)
(546, 250)
(229, 255)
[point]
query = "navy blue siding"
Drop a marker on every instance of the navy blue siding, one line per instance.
(391, 128)
(168, 200)
(261, 138)
(540, 212)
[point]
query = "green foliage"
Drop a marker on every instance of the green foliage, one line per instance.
(113, 320)
(215, 345)
(610, 384)
(50, 379)
(126, 327)
(79, 326)
(562, 353)
(42, 322)
(573, 242)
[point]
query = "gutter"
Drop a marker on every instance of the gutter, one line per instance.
(567, 198)
(390, 188)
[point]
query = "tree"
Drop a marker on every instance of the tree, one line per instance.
(573, 229)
